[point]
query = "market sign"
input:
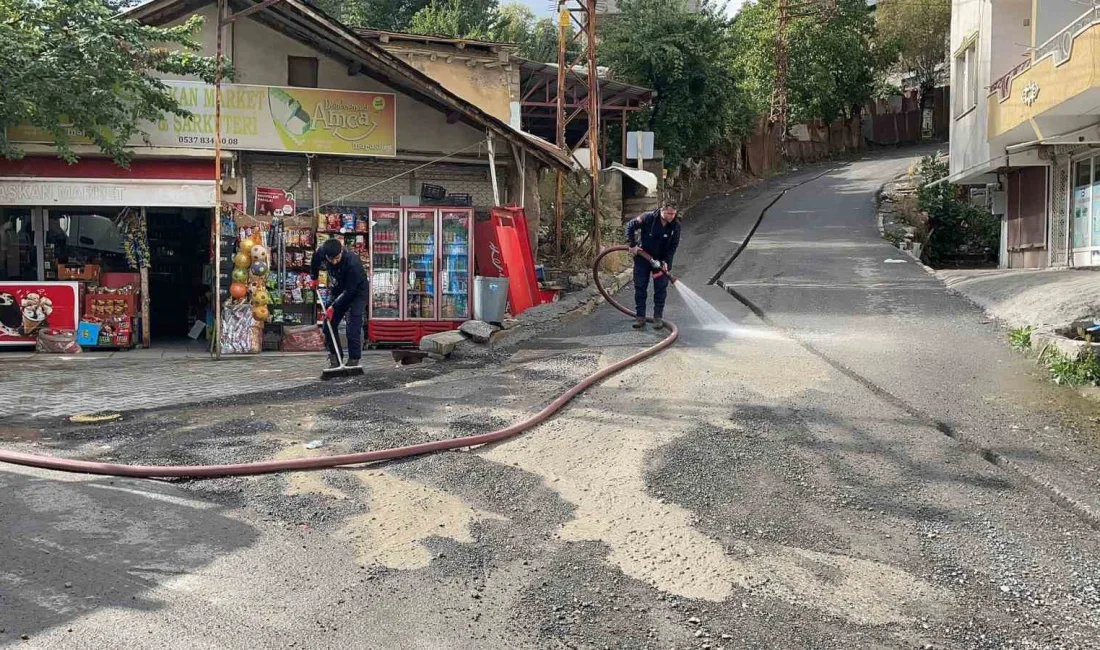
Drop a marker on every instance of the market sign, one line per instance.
(266, 118)
(106, 192)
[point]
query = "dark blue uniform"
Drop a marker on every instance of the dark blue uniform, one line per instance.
(348, 283)
(659, 240)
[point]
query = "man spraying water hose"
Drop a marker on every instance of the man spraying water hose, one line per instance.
(659, 231)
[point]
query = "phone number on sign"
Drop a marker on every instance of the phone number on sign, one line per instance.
(203, 139)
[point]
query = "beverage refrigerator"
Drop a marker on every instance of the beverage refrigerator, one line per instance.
(421, 272)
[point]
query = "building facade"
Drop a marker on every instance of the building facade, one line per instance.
(317, 119)
(1024, 124)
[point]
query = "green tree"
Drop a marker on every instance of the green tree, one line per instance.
(537, 38)
(836, 60)
(473, 19)
(921, 30)
(515, 22)
(956, 229)
(76, 68)
(687, 58)
(542, 43)
(389, 15)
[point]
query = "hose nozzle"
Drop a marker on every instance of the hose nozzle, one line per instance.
(658, 269)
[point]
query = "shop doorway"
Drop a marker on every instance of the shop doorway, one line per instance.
(179, 287)
(18, 245)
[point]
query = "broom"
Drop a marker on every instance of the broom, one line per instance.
(341, 370)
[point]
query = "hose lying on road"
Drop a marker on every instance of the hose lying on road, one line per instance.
(322, 462)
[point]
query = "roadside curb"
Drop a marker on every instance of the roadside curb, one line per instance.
(1082, 510)
(541, 317)
(882, 233)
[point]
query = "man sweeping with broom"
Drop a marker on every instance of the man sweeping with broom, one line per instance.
(348, 283)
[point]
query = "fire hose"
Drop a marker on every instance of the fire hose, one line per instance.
(325, 462)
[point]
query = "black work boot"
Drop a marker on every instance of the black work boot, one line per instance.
(639, 323)
(658, 323)
(352, 363)
(333, 361)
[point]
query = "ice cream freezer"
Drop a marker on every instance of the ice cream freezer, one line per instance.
(421, 272)
(27, 308)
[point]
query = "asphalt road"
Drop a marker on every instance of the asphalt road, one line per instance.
(810, 475)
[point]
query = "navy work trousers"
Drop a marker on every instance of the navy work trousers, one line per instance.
(355, 310)
(642, 272)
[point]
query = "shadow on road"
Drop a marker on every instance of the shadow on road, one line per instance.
(76, 546)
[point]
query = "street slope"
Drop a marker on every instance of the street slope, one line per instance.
(785, 483)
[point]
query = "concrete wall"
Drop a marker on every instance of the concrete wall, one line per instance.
(969, 147)
(486, 79)
(259, 57)
(1051, 16)
(1011, 34)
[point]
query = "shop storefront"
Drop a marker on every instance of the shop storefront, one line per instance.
(309, 157)
(80, 233)
(1085, 211)
(334, 197)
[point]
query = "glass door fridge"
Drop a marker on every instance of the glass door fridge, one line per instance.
(455, 262)
(385, 266)
(420, 272)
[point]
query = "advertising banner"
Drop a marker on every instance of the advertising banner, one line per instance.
(26, 308)
(268, 118)
(274, 202)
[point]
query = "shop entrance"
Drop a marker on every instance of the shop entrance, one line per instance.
(180, 287)
(18, 250)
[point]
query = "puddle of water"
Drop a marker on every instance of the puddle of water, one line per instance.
(10, 433)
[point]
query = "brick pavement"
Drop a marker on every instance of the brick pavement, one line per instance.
(43, 386)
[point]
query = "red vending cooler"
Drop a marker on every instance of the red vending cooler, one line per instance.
(421, 264)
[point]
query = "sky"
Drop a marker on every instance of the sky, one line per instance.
(543, 7)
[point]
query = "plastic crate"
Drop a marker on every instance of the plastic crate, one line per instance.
(272, 339)
(434, 192)
(87, 334)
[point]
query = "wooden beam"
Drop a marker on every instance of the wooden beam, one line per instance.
(387, 69)
(624, 137)
(539, 85)
(603, 107)
(493, 168)
(245, 13)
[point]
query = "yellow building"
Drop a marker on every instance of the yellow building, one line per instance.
(483, 73)
(1026, 80)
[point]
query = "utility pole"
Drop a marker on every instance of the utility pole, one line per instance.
(559, 197)
(593, 123)
(777, 117)
(779, 114)
(217, 338)
(582, 13)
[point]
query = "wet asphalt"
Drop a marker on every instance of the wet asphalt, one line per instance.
(818, 474)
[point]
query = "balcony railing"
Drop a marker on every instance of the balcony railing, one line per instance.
(1060, 46)
(1002, 86)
